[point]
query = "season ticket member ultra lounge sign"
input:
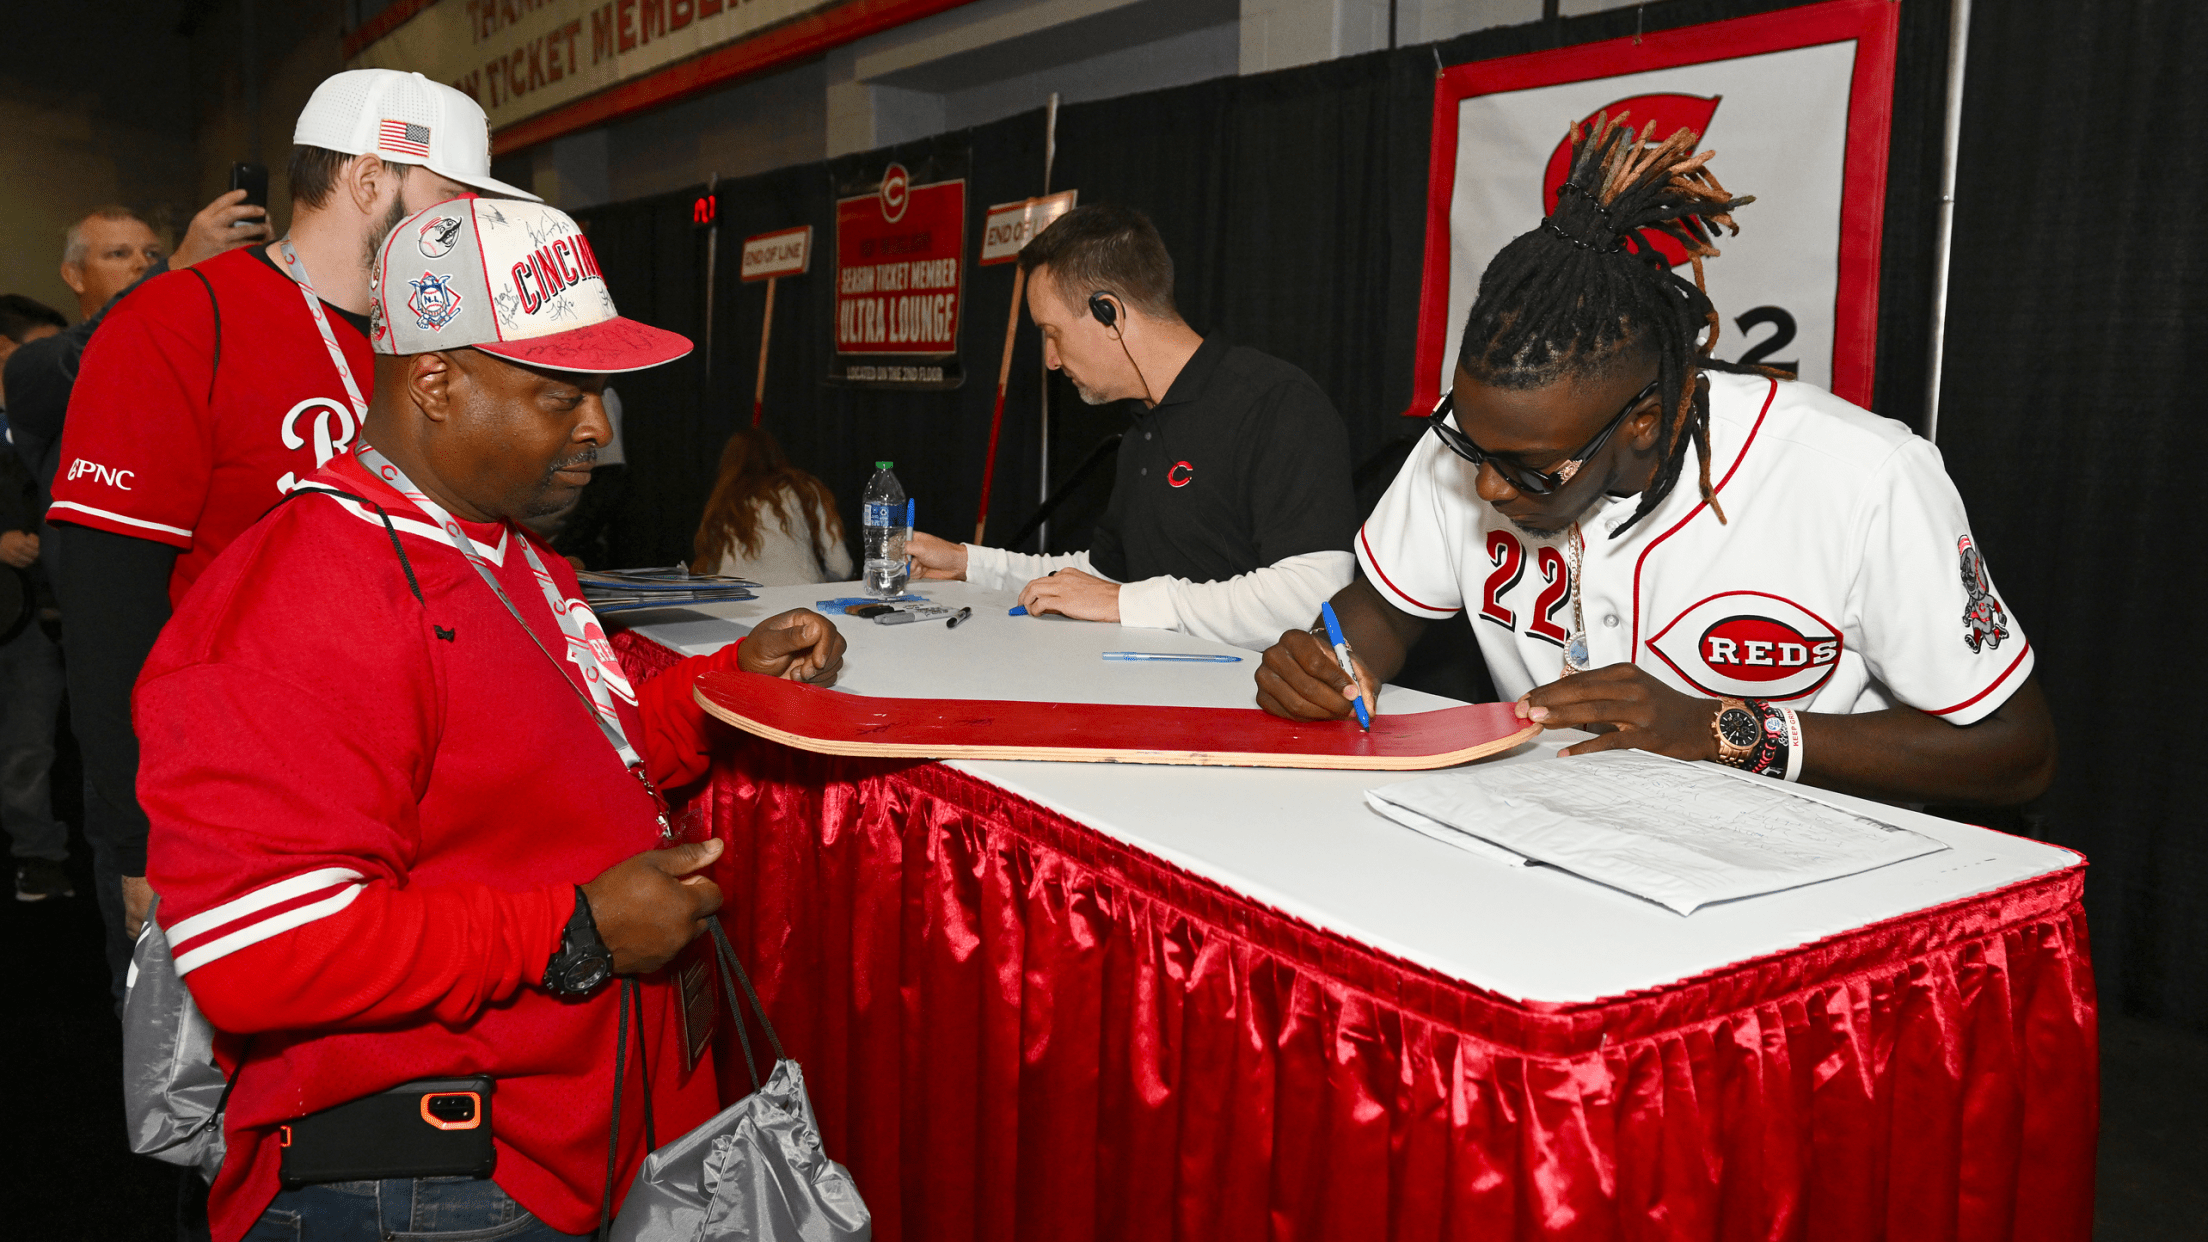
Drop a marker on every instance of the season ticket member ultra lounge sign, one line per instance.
(900, 248)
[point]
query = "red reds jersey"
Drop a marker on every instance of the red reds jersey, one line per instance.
(369, 814)
(162, 444)
(1843, 580)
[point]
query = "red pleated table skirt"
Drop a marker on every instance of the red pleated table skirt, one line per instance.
(1015, 1026)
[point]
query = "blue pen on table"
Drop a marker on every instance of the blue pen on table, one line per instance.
(1183, 657)
(1020, 610)
(1341, 653)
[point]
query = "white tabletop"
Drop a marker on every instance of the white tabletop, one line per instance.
(1305, 843)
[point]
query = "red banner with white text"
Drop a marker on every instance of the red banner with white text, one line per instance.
(900, 251)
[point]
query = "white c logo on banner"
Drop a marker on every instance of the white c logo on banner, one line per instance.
(895, 183)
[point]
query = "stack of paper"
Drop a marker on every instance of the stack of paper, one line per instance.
(1680, 834)
(624, 590)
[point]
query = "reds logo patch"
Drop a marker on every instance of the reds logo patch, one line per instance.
(1751, 645)
(434, 301)
(437, 237)
(1181, 475)
(1985, 622)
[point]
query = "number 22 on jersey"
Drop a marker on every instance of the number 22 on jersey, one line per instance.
(1508, 556)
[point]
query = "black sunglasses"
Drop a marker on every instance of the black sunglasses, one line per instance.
(1526, 478)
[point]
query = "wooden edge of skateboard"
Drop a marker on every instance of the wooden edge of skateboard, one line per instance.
(1069, 754)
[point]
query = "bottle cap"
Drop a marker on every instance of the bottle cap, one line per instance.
(884, 465)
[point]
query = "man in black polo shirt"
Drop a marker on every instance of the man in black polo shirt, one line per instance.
(1231, 515)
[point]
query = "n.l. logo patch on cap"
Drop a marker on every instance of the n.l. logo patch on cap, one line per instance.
(435, 302)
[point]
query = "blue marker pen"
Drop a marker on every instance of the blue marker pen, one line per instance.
(1341, 653)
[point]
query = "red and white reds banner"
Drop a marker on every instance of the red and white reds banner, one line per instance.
(1796, 103)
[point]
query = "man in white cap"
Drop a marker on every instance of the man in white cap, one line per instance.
(207, 394)
(405, 808)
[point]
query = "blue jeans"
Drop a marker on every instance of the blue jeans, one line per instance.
(451, 1209)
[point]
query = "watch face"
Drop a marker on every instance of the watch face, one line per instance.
(1738, 727)
(585, 974)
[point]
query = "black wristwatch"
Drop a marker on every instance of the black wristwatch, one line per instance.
(583, 963)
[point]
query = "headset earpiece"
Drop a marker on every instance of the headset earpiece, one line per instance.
(1102, 310)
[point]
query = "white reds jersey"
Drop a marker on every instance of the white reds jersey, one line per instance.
(1843, 580)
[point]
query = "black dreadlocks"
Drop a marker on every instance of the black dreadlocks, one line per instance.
(1586, 290)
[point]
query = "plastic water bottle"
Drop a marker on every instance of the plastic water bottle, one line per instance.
(882, 511)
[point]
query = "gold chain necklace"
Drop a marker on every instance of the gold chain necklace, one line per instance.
(1576, 657)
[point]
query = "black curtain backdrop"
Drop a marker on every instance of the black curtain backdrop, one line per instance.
(2075, 431)
(1294, 206)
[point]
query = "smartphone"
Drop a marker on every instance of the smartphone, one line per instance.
(432, 1127)
(253, 179)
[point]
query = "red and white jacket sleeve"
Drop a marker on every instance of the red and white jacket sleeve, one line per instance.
(288, 722)
(286, 900)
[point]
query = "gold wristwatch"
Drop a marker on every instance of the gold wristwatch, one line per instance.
(1739, 734)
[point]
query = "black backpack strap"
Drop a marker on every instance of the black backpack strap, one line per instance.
(388, 528)
(216, 363)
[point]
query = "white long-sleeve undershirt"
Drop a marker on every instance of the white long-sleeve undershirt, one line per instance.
(1248, 610)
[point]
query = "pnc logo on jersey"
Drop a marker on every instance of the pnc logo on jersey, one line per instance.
(80, 468)
(1749, 644)
(434, 301)
(1181, 475)
(437, 237)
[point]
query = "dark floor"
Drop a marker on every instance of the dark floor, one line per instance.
(63, 1049)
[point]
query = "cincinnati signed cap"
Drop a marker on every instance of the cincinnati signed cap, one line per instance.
(513, 279)
(403, 117)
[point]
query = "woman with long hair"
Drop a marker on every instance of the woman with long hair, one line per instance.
(768, 520)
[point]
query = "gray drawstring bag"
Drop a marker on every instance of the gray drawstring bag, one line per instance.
(173, 1092)
(754, 1173)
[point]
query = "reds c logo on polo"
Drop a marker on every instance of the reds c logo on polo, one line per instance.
(1751, 645)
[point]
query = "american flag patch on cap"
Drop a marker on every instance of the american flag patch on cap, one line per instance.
(404, 138)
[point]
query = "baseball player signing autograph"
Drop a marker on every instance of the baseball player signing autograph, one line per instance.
(1810, 605)
(405, 806)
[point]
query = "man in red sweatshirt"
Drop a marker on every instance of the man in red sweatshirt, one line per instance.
(404, 804)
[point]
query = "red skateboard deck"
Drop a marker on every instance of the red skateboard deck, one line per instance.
(812, 719)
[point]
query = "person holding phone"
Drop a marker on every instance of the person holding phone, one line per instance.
(208, 394)
(105, 255)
